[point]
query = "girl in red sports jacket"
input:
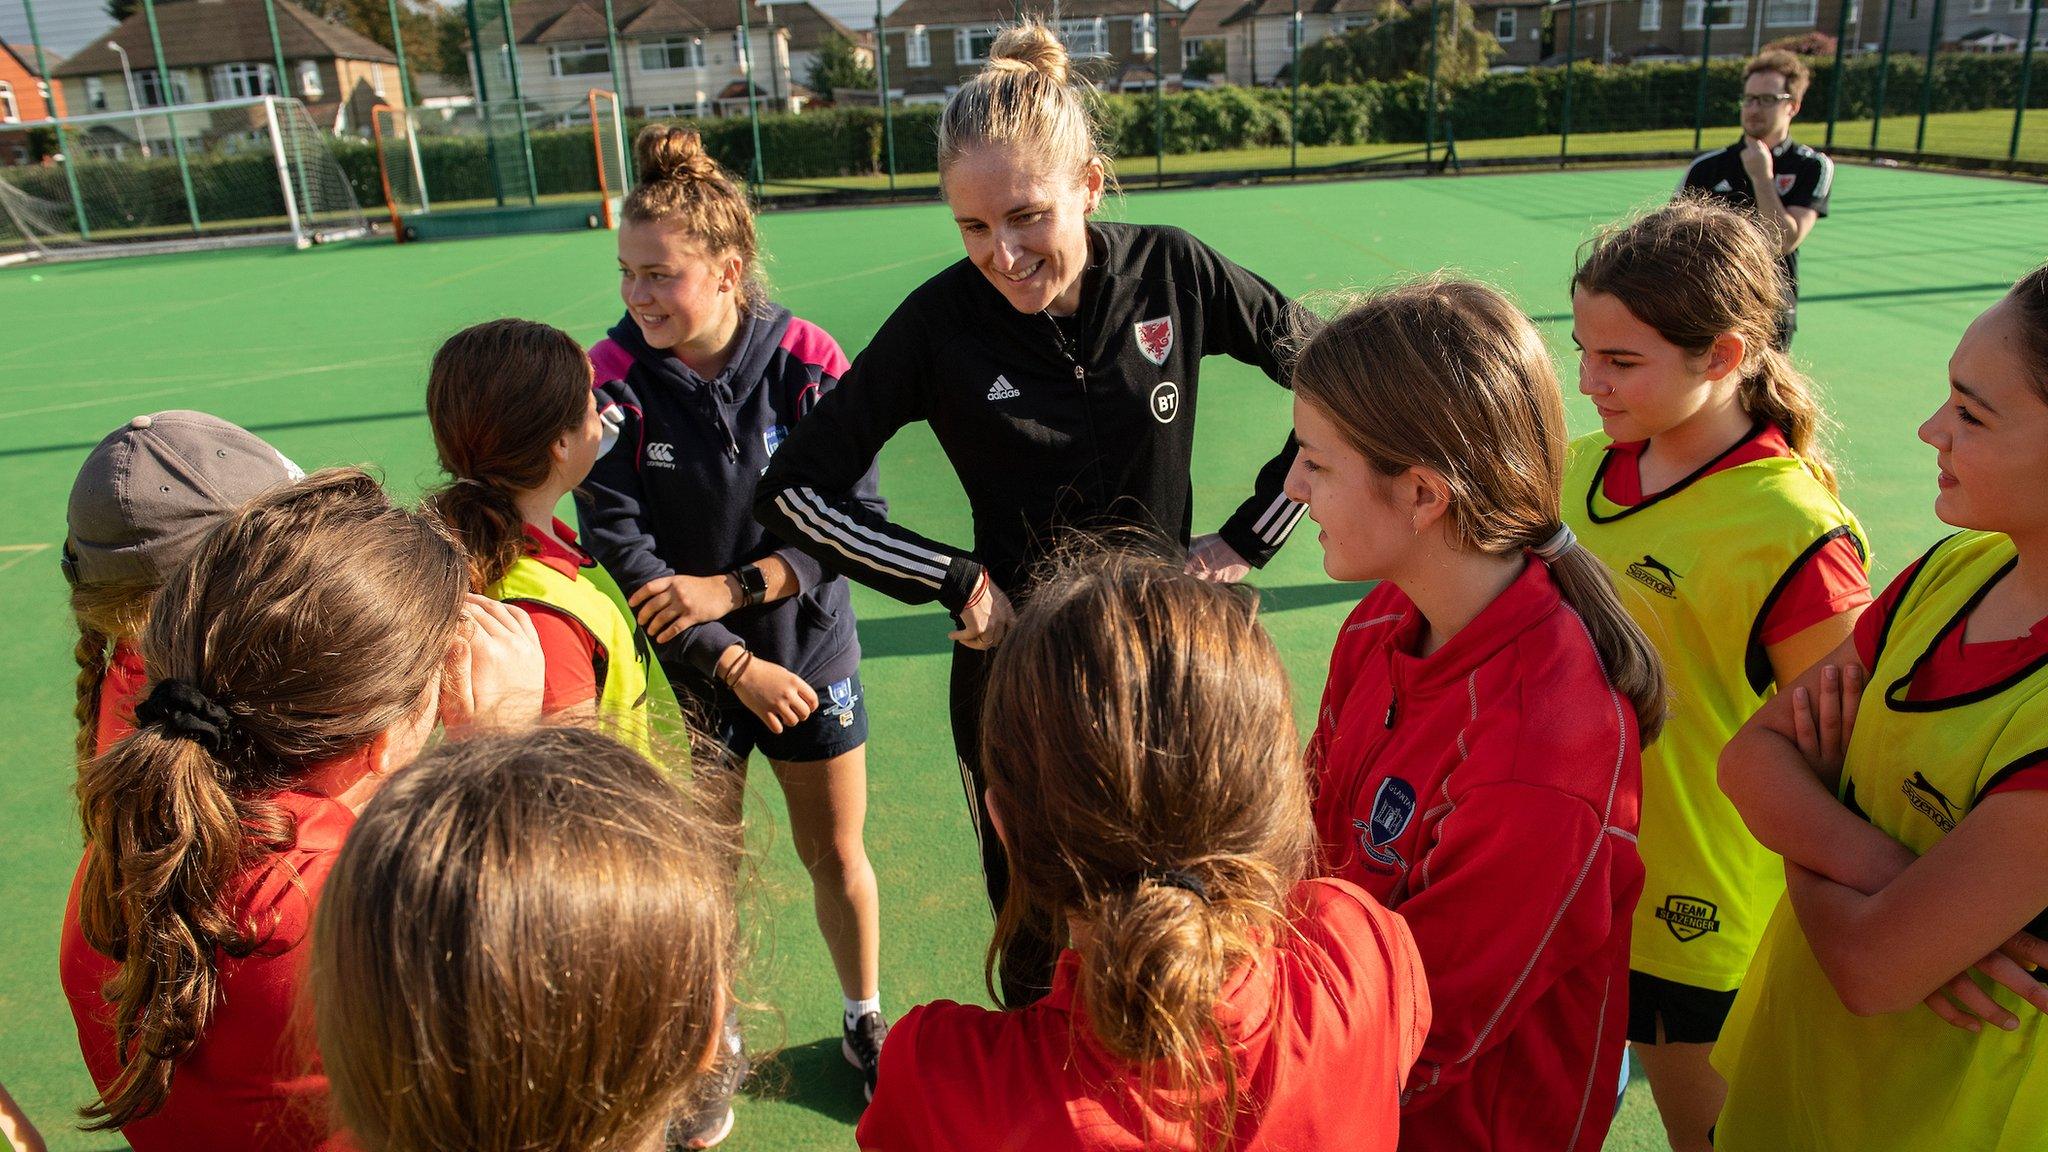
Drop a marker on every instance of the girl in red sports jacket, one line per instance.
(1476, 759)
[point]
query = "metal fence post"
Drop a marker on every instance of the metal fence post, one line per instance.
(1158, 99)
(50, 91)
(1835, 92)
(483, 100)
(1699, 107)
(1294, 107)
(519, 103)
(1927, 78)
(164, 89)
(1571, 60)
(1884, 71)
(280, 88)
(760, 171)
(2019, 110)
(1429, 131)
(882, 92)
(611, 51)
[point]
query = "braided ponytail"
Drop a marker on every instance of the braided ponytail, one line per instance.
(105, 614)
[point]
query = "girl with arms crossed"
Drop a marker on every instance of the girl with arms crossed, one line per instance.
(1914, 819)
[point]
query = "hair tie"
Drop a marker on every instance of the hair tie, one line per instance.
(1551, 549)
(179, 709)
(1181, 878)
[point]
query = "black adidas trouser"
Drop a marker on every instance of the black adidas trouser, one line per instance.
(1024, 971)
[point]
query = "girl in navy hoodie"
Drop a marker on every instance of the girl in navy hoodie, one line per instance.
(700, 381)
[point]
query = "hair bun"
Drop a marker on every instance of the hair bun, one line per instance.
(1031, 46)
(672, 152)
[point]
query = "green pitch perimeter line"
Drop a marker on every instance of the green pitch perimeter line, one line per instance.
(325, 353)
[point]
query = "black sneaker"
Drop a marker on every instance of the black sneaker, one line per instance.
(862, 1046)
(710, 1118)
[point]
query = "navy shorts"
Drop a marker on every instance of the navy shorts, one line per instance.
(838, 725)
(1689, 1015)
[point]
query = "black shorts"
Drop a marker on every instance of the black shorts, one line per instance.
(1690, 1015)
(838, 725)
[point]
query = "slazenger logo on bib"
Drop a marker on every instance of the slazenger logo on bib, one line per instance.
(1393, 806)
(1155, 339)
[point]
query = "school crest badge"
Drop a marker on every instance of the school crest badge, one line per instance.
(1785, 181)
(1155, 339)
(1393, 806)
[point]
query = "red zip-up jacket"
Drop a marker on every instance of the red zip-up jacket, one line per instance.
(1489, 793)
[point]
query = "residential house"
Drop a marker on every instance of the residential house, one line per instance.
(1614, 31)
(677, 57)
(1258, 46)
(23, 98)
(221, 50)
(1518, 25)
(934, 45)
(1968, 25)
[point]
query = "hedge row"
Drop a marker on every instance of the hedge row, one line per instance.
(849, 141)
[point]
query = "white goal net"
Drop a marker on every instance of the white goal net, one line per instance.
(180, 178)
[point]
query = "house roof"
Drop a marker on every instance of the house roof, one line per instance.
(1210, 17)
(981, 12)
(1282, 9)
(582, 21)
(202, 32)
(26, 57)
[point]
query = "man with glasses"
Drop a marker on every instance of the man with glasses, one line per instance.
(1785, 183)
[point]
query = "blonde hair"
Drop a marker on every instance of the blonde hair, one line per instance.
(106, 614)
(307, 658)
(680, 184)
(1448, 375)
(1696, 270)
(1142, 756)
(1026, 97)
(525, 943)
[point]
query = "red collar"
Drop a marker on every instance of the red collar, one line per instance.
(569, 552)
(1521, 606)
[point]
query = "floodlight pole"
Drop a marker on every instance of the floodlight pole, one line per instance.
(519, 104)
(1571, 59)
(163, 83)
(1835, 93)
(483, 101)
(1158, 99)
(882, 93)
(619, 94)
(1884, 71)
(1294, 105)
(1699, 107)
(50, 109)
(753, 107)
(1927, 79)
(1429, 137)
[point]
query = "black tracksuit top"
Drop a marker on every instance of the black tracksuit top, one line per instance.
(1045, 436)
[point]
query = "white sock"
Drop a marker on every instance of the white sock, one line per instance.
(855, 1009)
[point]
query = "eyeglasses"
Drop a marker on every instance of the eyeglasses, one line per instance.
(1766, 99)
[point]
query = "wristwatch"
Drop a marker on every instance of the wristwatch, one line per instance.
(753, 584)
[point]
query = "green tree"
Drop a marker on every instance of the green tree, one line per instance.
(838, 64)
(1208, 61)
(1396, 44)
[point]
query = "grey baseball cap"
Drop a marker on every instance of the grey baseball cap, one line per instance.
(152, 489)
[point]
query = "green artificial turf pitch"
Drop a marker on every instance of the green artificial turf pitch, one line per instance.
(325, 353)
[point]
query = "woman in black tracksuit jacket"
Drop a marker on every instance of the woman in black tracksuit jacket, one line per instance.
(1058, 367)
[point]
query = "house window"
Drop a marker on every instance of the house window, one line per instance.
(578, 59)
(1980, 7)
(152, 91)
(671, 54)
(10, 112)
(1142, 43)
(377, 79)
(95, 94)
(917, 48)
(309, 80)
(2019, 5)
(971, 45)
(238, 81)
(739, 49)
(1189, 49)
(1727, 14)
(1504, 25)
(1652, 16)
(1085, 37)
(1804, 13)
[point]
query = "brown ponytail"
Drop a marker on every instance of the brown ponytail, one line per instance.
(1696, 270)
(1448, 375)
(499, 395)
(105, 614)
(1140, 740)
(681, 185)
(316, 618)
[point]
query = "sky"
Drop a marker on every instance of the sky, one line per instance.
(68, 25)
